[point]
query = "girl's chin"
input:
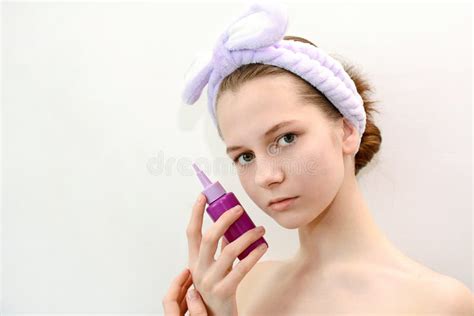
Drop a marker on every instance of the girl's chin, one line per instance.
(289, 219)
(289, 224)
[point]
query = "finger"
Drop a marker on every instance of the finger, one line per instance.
(196, 305)
(170, 301)
(224, 244)
(185, 287)
(234, 249)
(233, 279)
(211, 238)
(194, 229)
(182, 298)
(183, 305)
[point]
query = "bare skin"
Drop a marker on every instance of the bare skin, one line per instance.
(282, 288)
(344, 263)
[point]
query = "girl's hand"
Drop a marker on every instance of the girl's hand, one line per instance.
(217, 280)
(174, 303)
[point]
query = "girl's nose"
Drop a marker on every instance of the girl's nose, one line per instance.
(268, 173)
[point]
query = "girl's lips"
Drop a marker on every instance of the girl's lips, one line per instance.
(282, 205)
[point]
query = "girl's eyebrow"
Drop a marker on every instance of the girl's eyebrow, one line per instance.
(271, 131)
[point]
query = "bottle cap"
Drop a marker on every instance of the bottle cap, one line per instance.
(212, 191)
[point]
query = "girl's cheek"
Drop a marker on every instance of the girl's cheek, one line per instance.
(246, 181)
(312, 163)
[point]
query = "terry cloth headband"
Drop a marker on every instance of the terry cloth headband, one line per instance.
(257, 37)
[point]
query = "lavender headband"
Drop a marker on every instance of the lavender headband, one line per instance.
(257, 37)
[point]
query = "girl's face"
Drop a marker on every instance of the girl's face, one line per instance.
(302, 158)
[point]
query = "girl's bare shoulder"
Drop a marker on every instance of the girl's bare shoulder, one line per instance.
(452, 295)
(420, 287)
(427, 289)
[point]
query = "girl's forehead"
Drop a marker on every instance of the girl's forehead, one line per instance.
(256, 119)
(258, 108)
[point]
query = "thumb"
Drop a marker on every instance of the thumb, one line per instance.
(196, 306)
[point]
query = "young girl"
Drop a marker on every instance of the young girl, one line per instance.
(298, 126)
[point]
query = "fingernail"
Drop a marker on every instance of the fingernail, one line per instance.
(192, 295)
(260, 229)
(199, 199)
(262, 247)
(238, 209)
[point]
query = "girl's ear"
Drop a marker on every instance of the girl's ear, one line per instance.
(350, 140)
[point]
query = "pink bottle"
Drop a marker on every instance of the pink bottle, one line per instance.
(219, 202)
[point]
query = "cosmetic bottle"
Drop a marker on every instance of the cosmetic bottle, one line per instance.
(219, 201)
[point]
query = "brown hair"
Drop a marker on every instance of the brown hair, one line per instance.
(371, 139)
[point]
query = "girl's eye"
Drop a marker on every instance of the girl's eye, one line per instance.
(288, 141)
(242, 155)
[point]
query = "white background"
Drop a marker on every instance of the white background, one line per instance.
(97, 185)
